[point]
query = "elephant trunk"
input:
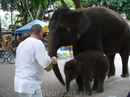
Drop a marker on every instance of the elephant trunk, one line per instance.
(53, 47)
(67, 85)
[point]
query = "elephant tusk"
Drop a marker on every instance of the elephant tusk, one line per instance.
(74, 60)
(78, 36)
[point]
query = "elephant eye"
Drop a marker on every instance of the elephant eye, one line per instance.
(68, 29)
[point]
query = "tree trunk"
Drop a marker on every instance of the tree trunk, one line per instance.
(63, 3)
(11, 17)
(77, 4)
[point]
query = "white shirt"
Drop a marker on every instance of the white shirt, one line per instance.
(31, 59)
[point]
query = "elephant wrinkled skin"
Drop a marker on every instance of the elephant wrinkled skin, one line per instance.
(94, 28)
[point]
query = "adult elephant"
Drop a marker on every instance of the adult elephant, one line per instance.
(94, 28)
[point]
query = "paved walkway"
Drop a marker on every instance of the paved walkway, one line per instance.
(113, 87)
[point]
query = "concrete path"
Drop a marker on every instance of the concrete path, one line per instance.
(113, 87)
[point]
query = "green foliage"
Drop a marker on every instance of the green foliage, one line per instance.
(5, 22)
(29, 9)
(90, 3)
(84, 3)
(121, 6)
(69, 3)
(8, 5)
(36, 9)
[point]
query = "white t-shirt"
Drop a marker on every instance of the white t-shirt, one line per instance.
(31, 59)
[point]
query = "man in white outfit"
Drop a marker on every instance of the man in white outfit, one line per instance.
(31, 59)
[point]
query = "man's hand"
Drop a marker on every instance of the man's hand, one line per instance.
(50, 67)
(53, 60)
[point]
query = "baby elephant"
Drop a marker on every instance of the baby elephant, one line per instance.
(85, 67)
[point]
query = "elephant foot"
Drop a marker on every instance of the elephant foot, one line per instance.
(64, 95)
(125, 75)
(94, 88)
(100, 91)
(81, 90)
(111, 74)
(89, 92)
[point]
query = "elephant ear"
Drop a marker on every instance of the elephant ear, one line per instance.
(82, 23)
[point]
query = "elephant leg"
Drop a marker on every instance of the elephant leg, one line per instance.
(112, 66)
(87, 86)
(125, 72)
(100, 86)
(95, 86)
(79, 83)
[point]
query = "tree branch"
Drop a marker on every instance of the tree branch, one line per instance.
(77, 4)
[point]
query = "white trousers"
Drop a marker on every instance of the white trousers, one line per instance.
(30, 95)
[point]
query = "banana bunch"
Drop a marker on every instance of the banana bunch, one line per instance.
(48, 68)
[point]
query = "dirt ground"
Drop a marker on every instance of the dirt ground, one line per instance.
(115, 86)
